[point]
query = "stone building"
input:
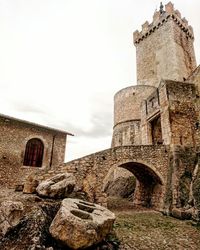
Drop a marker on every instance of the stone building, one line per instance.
(163, 108)
(165, 61)
(27, 147)
(156, 133)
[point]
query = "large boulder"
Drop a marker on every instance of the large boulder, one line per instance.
(182, 214)
(79, 224)
(59, 186)
(122, 187)
(10, 214)
(119, 182)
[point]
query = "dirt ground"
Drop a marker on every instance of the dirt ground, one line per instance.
(150, 230)
(138, 229)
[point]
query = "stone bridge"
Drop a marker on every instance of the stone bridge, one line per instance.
(148, 163)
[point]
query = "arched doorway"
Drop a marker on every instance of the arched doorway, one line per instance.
(149, 186)
(34, 153)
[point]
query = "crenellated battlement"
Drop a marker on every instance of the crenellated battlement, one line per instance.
(159, 18)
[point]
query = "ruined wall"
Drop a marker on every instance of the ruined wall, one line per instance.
(13, 138)
(127, 115)
(164, 48)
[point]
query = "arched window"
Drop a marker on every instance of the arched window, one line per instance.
(34, 153)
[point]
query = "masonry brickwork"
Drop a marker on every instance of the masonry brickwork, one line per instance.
(164, 48)
(127, 106)
(148, 163)
(164, 52)
(156, 133)
(14, 135)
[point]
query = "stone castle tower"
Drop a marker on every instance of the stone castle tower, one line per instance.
(156, 134)
(164, 48)
(165, 53)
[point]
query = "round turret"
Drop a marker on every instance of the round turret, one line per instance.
(127, 114)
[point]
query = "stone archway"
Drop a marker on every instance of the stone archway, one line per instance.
(149, 185)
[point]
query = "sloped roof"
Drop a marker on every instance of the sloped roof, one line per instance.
(34, 124)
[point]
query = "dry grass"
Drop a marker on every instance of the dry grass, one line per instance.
(154, 231)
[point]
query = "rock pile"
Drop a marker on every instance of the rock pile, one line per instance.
(34, 222)
(119, 182)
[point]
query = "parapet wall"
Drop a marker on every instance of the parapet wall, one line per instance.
(159, 19)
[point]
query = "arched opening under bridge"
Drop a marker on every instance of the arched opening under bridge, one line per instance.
(149, 185)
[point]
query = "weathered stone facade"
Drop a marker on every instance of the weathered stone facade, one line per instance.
(127, 113)
(148, 163)
(14, 136)
(156, 133)
(164, 48)
(169, 114)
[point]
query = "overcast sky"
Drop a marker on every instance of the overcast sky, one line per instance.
(62, 61)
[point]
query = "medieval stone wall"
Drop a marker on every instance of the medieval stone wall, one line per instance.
(175, 103)
(13, 138)
(195, 78)
(90, 171)
(150, 109)
(127, 133)
(164, 48)
(182, 164)
(183, 113)
(127, 114)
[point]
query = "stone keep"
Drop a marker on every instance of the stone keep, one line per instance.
(164, 51)
(164, 48)
(156, 133)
